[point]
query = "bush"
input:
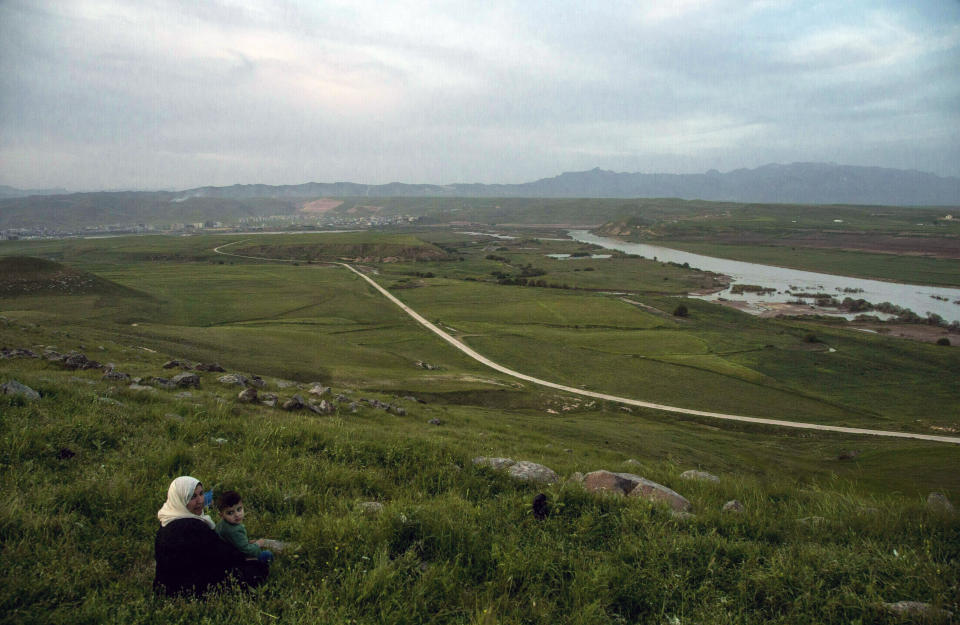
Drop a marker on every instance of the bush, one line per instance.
(680, 311)
(943, 341)
(810, 337)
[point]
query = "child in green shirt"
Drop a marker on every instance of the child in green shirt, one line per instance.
(231, 529)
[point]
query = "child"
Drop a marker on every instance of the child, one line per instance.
(231, 529)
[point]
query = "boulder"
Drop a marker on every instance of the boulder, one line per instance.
(16, 388)
(116, 376)
(435, 421)
(256, 381)
(354, 406)
(294, 403)
(323, 407)
(939, 502)
(370, 507)
(210, 366)
(285, 383)
(922, 611)
(319, 390)
(234, 379)
(532, 472)
(682, 515)
(635, 486)
(18, 353)
(701, 476)
(848, 454)
(268, 399)
(175, 364)
(185, 379)
(162, 382)
(247, 395)
(576, 477)
(141, 387)
(77, 360)
(732, 506)
(494, 463)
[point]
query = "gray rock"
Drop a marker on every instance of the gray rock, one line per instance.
(162, 383)
(494, 463)
(682, 515)
(116, 376)
(732, 506)
(110, 401)
(319, 390)
(256, 381)
(435, 421)
(234, 379)
(76, 360)
(247, 395)
(532, 472)
(370, 507)
(141, 387)
(210, 366)
(16, 388)
(285, 383)
(635, 486)
(701, 476)
(354, 406)
(294, 403)
(185, 379)
(342, 398)
(939, 502)
(174, 364)
(268, 399)
(576, 477)
(400, 411)
(18, 353)
(322, 408)
(917, 608)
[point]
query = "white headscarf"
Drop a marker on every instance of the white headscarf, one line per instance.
(180, 492)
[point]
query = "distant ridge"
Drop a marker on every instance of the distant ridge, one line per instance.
(796, 183)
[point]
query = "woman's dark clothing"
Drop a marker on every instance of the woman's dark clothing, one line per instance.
(191, 558)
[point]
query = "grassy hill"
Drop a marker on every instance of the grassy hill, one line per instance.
(26, 276)
(821, 540)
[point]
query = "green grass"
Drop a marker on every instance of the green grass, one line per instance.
(455, 543)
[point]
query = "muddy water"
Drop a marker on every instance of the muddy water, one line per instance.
(920, 299)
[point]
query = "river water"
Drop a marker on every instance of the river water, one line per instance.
(920, 299)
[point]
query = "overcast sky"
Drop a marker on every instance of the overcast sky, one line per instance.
(107, 94)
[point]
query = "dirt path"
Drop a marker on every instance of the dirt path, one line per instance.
(622, 400)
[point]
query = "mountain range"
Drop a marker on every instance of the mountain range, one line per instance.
(796, 183)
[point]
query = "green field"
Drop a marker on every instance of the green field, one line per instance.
(456, 543)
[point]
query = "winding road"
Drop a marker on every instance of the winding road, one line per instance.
(613, 398)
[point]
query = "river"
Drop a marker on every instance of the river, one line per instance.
(918, 298)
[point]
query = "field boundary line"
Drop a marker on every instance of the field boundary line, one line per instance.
(603, 396)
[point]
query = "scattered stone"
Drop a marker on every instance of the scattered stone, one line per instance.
(218, 441)
(162, 383)
(370, 507)
(532, 472)
(18, 353)
(319, 390)
(141, 387)
(541, 510)
(427, 366)
(400, 411)
(256, 381)
(269, 399)
(116, 376)
(285, 383)
(247, 395)
(342, 398)
(917, 608)
(294, 403)
(494, 463)
(633, 462)
(652, 491)
(185, 379)
(848, 454)
(173, 415)
(65, 453)
(732, 506)
(173, 364)
(577, 477)
(701, 476)
(77, 360)
(234, 379)
(626, 409)
(323, 408)
(354, 406)
(16, 388)
(110, 401)
(939, 502)
(435, 421)
(210, 366)
(682, 515)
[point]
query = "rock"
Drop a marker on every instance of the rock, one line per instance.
(400, 411)
(210, 366)
(285, 383)
(173, 364)
(110, 401)
(319, 390)
(76, 360)
(294, 403)
(269, 400)
(234, 379)
(141, 387)
(532, 472)
(172, 415)
(342, 398)
(18, 353)
(732, 506)
(116, 376)
(218, 441)
(185, 379)
(632, 462)
(410, 398)
(162, 383)
(635, 486)
(247, 395)
(682, 515)
(848, 454)
(354, 406)
(939, 502)
(576, 477)
(701, 476)
(435, 421)
(917, 608)
(256, 381)
(494, 463)
(370, 507)
(322, 408)
(16, 388)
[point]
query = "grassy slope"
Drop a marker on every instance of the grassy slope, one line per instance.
(455, 543)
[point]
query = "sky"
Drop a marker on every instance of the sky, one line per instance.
(175, 94)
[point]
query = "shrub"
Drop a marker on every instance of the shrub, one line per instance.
(810, 337)
(943, 341)
(680, 311)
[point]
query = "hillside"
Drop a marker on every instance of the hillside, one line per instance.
(26, 276)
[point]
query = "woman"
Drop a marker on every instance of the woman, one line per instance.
(191, 558)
